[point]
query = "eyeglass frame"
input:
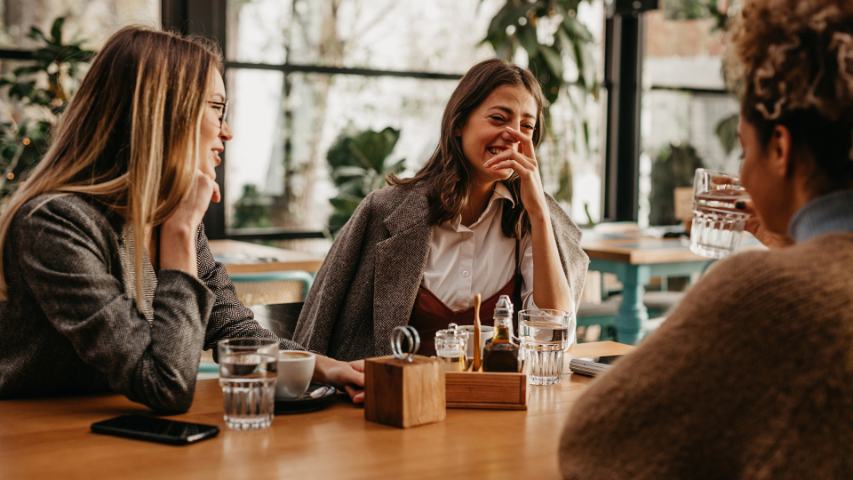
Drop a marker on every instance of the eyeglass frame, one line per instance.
(224, 106)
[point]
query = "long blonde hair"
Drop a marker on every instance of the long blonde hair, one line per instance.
(130, 136)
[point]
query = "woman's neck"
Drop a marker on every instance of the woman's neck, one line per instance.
(478, 198)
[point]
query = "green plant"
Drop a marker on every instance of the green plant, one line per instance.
(359, 165)
(37, 91)
(698, 9)
(673, 167)
(251, 210)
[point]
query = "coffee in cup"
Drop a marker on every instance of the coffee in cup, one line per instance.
(295, 370)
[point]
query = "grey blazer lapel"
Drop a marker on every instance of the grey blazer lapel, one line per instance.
(400, 261)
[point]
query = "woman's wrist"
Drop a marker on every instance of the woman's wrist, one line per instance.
(177, 249)
(539, 219)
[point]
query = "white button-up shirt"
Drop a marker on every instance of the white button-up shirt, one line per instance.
(464, 260)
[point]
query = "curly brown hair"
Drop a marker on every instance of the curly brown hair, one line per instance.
(791, 63)
(447, 173)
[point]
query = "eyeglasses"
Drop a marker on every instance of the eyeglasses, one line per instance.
(221, 110)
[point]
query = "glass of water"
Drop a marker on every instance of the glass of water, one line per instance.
(247, 374)
(545, 335)
(718, 227)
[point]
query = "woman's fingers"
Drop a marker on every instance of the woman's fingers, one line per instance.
(356, 395)
(520, 162)
(526, 142)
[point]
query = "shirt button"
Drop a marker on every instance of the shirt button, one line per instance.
(466, 273)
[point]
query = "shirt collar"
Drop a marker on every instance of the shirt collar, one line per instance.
(501, 192)
(822, 215)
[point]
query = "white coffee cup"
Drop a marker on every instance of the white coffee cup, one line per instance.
(295, 369)
(486, 332)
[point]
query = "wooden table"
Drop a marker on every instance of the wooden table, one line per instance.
(249, 258)
(50, 438)
(634, 259)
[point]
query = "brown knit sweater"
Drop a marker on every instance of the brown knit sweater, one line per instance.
(750, 377)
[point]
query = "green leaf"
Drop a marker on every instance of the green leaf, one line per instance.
(726, 131)
(36, 34)
(56, 30)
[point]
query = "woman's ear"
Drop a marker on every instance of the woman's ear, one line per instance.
(779, 151)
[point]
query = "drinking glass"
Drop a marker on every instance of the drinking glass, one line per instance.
(545, 335)
(717, 228)
(247, 374)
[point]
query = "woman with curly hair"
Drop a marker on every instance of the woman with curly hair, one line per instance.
(474, 219)
(751, 376)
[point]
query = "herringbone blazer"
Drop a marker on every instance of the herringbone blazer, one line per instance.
(370, 278)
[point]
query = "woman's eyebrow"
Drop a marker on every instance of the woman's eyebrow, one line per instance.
(218, 96)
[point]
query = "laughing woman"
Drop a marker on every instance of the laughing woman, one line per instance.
(474, 219)
(107, 279)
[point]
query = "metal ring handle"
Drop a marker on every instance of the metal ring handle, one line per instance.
(413, 342)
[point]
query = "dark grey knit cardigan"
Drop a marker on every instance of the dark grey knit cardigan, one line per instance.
(70, 326)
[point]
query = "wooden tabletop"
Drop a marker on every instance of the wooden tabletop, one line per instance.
(245, 257)
(637, 249)
(50, 438)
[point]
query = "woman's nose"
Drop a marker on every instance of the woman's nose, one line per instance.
(508, 136)
(225, 131)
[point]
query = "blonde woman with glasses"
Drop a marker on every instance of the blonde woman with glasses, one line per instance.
(107, 280)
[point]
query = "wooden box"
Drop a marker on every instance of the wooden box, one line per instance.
(403, 394)
(490, 390)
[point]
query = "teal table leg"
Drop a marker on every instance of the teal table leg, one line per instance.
(632, 314)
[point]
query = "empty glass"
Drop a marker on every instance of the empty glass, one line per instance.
(717, 228)
(545, 335)
(247, 374)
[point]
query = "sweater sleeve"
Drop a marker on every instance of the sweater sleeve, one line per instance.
(573, 259)
(64, 257)
(229, 318)
(328, 293)
(708, 389)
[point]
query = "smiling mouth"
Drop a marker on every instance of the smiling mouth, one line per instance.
(496, 150)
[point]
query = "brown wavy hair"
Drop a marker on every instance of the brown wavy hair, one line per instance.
(447, 173)
(791, 63)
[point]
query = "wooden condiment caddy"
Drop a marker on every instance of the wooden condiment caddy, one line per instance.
(404, 390)
(489, 390)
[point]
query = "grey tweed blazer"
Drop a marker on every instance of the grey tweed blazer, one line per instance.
(69, 325)
(369, 281)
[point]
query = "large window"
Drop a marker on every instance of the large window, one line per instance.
(303, 73)
(688, 118)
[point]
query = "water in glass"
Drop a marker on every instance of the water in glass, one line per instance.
(545, 335)
(718, 227)
(247, 376)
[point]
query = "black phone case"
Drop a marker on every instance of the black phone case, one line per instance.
(104, 427)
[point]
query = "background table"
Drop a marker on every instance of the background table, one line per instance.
(50, 438)
(634, 259)
(245, 257)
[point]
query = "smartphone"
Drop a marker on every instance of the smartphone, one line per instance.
(607, 360)
(155, 429)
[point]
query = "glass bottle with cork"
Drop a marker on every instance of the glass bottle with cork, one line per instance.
(500, 353)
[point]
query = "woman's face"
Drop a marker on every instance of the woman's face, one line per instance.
(214, 129)
(767, 185)
(484, 136)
